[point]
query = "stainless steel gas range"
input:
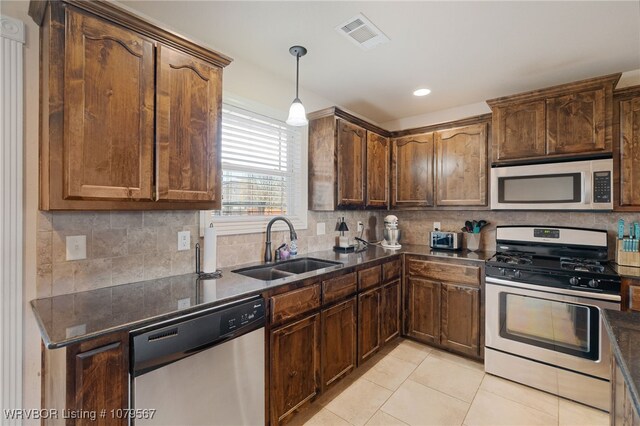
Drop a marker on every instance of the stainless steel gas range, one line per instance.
(546, 288)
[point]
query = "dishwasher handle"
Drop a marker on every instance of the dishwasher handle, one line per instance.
(156, 346)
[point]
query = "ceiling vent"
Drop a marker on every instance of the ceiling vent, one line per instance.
(362, 32)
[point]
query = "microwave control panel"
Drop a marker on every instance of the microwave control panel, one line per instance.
(602, 187)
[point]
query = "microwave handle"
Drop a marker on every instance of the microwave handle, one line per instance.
(587, 184)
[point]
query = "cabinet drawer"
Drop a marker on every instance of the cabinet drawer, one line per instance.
(440, 271)
(369, 277)
(339, 287)
(294, 303)
(391, 270)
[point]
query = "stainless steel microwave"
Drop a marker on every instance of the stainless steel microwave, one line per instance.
(571, 185)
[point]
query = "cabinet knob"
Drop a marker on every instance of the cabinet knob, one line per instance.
(293, 374)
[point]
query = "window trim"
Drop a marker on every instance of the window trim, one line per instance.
(230, 225)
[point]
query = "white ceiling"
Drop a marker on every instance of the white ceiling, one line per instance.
(465, 52)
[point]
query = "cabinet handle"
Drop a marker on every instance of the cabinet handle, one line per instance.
(293, 374)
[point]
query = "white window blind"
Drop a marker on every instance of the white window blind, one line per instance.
(261, 165)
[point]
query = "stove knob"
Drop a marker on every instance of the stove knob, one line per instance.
(517, 274)
(574, 281)
(594, 283)
(502, 271)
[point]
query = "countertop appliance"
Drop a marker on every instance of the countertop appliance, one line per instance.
(446, 240)
(546, 288)
(571, 185)
(391, 232)
(204, 369)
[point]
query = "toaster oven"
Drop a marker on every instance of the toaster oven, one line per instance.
(445, 240)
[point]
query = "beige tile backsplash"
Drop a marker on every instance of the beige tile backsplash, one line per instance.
(124, 247)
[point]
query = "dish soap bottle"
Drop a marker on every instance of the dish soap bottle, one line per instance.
(293, 248)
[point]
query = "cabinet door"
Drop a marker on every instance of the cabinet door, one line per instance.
(377, 170)
(368, 324)
(339, 341)
(99, 379)
(630, 153)
(351, 164)
(461, 166)
(295, 366)
(108, 111)
(576, 123)
(188, 128)
(519, 131)
(424, 310)
(461, 318)
(390, 316)
(412, 171)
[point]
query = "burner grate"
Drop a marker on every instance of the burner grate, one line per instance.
(514, 258)
(581, 265)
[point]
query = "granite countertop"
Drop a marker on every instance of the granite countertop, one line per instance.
(626, 271)
(624, 333)
(76, 317)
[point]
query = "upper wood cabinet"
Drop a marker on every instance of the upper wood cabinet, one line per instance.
(572, 119)
(627, 149)
(412, 171)
(348, 162)
(114, 89)
(351, 152)
(188, 117)
(461, 166)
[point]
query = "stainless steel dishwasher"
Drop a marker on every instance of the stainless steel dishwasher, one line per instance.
(204, 369)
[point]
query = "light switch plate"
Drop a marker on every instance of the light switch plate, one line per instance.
(184, 240)
(360, 226)
(320, 228)
(184, 303)
(436, 226)
(76, 247)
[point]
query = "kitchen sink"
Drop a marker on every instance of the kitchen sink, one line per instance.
(285, 269)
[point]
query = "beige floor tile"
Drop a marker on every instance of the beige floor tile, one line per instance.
(448, 377)
(383, 419)
(389, 372)
(331, 393)
(359, 402)
(411, 351)
(489, 409)
(417, 404)
(523, 394)
(465, 362)
(326, 417)
(574, 414)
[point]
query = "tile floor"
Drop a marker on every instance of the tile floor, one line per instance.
(412, 384)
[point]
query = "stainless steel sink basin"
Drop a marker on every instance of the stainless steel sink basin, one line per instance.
(286, 268)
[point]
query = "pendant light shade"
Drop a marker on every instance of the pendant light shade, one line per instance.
(297, 114)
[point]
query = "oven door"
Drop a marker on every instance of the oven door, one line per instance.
(555, 326)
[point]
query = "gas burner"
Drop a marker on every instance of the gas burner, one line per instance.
(581, 265)
(514, 258)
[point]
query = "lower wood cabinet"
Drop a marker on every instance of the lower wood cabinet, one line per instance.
(424, 310)
(623, 412)
(295, 366)
(460, 318)
(390, 315)
(339, 341)
(368, 323)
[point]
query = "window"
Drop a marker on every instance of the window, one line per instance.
(263, 174)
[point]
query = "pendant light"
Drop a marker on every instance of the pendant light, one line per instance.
(297, 114)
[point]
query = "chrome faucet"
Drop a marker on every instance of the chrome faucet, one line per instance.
(267, 252)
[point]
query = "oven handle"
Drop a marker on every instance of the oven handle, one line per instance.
(554, 290)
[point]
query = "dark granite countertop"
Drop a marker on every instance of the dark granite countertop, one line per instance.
(76, 317)
(624, 333)
(626, 271)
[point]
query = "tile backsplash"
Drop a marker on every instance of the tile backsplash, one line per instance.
(124, 247)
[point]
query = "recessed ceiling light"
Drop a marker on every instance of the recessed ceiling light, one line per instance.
(421, 92)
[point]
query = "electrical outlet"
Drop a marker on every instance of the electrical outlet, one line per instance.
(76, 247)
(320, 228)
(360, 226)
(436, 226)
(184, 303)
(184, 240)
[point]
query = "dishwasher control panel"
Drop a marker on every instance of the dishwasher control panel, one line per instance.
(241, 316)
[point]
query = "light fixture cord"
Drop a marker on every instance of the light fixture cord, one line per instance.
(297, 72)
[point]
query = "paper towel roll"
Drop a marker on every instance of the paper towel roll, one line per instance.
(209, 257)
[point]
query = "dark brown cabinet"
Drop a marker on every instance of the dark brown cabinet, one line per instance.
(339, 341)
(412, 171)
(390, 311)
(461, 166)
(295, 366)
(188, 117)
(568, 120)
(627, 149)
(460, 318)
(112, 91)
(377, 170)
(368, 323)
(423, 310)
(348, 162)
